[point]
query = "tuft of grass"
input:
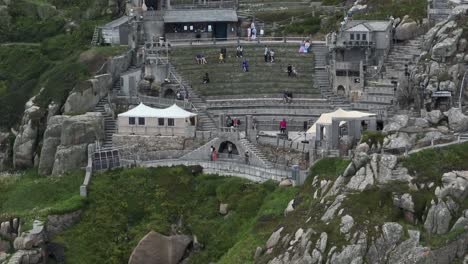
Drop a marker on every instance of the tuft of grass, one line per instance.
(437, 241)
(372, 138)
(328, 169)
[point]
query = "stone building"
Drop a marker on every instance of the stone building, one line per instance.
(145, 120)
(154, 19)
(357, 50)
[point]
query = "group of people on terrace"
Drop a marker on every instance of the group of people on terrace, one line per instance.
(268, 53)
(232, 122)
(214, 153)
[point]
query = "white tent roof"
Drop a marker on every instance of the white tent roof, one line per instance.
(327, 118)
(145, 111)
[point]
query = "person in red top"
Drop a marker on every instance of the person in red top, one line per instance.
(283, 126)
(214, 154)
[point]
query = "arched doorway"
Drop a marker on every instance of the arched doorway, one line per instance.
(224, 148)
(340, 90)
(169, 93)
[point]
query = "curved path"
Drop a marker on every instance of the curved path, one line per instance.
(226, 168)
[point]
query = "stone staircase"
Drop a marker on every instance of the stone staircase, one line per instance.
(400, 55)
(110, 125)
(253, 150)
(322, 80)
(205, 122)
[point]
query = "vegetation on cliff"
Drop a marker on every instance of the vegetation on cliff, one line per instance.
(124, 205)
(40, 45)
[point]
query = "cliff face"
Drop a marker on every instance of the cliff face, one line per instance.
(442, 64)
(375, 212)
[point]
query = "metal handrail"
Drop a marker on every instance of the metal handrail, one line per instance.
(244, 40)
(462, 87)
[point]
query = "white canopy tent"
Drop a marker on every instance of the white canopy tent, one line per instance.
(145, 120)
(143, 110)
(327, 118)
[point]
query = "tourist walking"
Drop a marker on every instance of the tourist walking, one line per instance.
(221, 58)
(230, 150)
(228, 121)
(235, 122)
(239, 51)
(246, 157)
(214, 154)
(307, 46)
(266, 52)
(206, 78)
(245, 66)
(254, 123)
(290, 70)
(283, 126)
(211, 153)
(272, 56)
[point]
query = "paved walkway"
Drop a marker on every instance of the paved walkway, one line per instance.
(458, 141)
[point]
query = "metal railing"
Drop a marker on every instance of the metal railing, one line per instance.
(243, 40)
(158, 101)
(462, 87)
(228, 168)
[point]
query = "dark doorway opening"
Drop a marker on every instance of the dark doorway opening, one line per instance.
(220, 31)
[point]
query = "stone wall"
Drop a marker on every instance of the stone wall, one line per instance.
(154, 147)
(284, 156)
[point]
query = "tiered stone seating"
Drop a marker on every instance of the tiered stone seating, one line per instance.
(263, 79)
(258, 92)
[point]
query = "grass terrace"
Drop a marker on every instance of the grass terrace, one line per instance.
(228, 80)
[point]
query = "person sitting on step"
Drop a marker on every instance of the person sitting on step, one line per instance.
(206, 79)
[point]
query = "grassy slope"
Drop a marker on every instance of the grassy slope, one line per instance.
(31, 196)
(383, 9)
(125, 205)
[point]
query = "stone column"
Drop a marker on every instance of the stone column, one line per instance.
(372, 124)
(168, 4)
(221, 119)
(334, 135)
(248, 126)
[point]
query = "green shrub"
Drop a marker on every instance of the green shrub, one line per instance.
(372, 138)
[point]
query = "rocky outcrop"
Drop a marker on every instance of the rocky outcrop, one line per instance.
(458, 122)
(33, 238)
(454, 184)
(409, 29)
(155, 246)
(77, 133)
(59, 223)
(50, 143)
(26, 140)
(86, 95)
